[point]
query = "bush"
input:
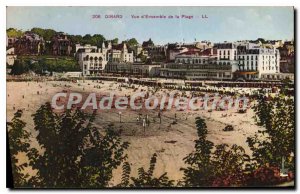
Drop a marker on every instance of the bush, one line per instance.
(74, 154)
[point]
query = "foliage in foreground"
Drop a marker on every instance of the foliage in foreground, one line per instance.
(73, 152)
(277, 140)
(211, 165)
(145, 178)
(18, 143)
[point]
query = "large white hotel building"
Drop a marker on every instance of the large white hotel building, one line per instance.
(93, 60)
(226, 61)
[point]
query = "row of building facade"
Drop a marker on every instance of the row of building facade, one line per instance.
(248, 60)
(223, 61)
(33, 44)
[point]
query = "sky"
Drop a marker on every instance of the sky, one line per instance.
(221, 23)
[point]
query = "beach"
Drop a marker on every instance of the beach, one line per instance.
(172, 139)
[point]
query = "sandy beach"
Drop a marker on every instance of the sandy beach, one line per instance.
(172, 142)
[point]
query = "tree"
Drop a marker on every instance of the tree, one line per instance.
(19, 67)
(222, 167)
(125, 175)
(75, 153)
(76, 38)
(228, 165)
(262, 40)
(86, 39)
(47, 34)
(277, 140)
(115, 41)
(199, 171)
(132, 42)
(18, 142)
(41, 64)
(14, 33)
(104, 155)
(95, 40)
(145, 178)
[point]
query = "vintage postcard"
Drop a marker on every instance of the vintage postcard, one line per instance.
(150, 97)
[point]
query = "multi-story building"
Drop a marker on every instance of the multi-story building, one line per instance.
(61, 45)
(253, 63)
(91, 59)
(287, 57)
(10, 41)
(29, 44)
(120, 53)
(157, 53)
(226, 61)
(197, 65)
(83, 48)
(226, 51)
(173, 50)
(227, 57)
(137, 49)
